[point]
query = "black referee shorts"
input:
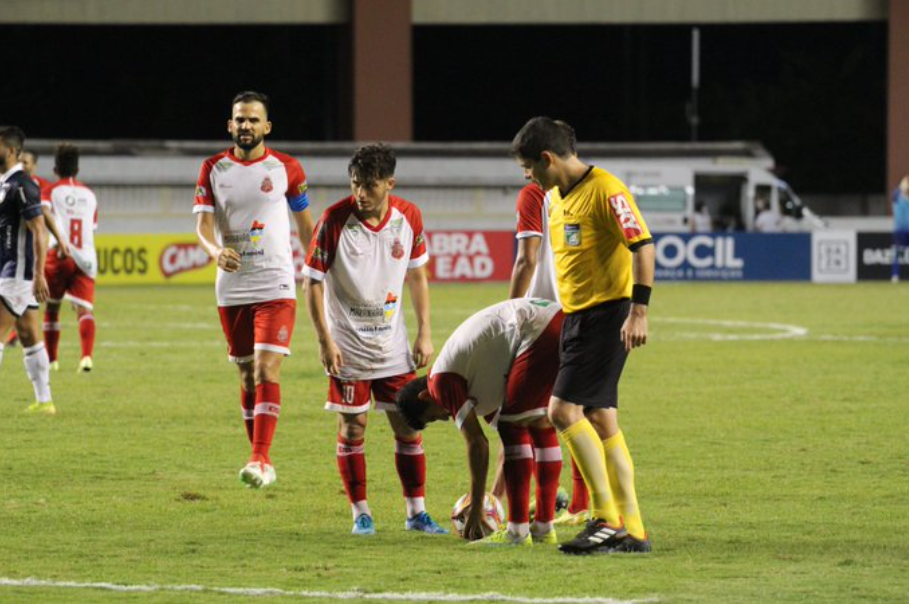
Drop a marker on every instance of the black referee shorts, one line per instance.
(592, 356)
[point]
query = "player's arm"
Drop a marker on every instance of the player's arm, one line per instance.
(51, 223)
(39, 244)
(329, 353)
(478, 460)
(226, 258)
(524, 266)
(305, 224)
(634, 330)
(418, 282)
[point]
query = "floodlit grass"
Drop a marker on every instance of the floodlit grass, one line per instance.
(771, 468)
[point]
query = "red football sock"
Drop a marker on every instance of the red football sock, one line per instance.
(518, 469)
(51, 334)
(580, 500)
(248, 405)
(352, 464)
(547, 455)
(410, 461)
(265, 419)
(86, 334)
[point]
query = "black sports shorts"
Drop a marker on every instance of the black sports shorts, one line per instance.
(592, 356)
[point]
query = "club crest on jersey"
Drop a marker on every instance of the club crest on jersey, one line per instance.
(256, 232)
(282, 334)
(573, 234)
(391, 305)
(397, 249)
(267, 185)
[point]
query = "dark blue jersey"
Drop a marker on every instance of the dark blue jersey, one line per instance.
(20, 201)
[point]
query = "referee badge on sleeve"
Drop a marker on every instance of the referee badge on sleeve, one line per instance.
(573, 234)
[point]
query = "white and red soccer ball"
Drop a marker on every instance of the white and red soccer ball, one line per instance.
(493, 514)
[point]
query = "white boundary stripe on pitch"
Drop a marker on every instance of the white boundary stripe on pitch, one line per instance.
(267, 592)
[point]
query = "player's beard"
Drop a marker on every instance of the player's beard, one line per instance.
(250, 143)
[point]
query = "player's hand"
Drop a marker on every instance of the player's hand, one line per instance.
(228, 260)
(422, 350)
(62, 250)
(634, 330)
(331, 358)
(473, 524)
(39, 288)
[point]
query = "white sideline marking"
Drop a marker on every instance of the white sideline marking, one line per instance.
(776, 331)
(354, 594)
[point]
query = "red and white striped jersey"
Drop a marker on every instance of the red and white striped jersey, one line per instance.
(75, 209)
(533, 221)
(471, 371)
(363, 268)
(250, 201)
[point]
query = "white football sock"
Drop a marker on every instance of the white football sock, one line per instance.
(37, 366)
(360, 507)
(415, 505)
(1, 353)
(521, 529)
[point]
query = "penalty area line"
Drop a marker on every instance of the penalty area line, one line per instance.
(354, 594)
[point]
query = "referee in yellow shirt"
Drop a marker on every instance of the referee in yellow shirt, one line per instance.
(604, 259)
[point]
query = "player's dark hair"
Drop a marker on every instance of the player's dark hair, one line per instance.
(66, 160)
(251, 96)
(411, 407)
(13, 137)
(372, 162)
(544, 134)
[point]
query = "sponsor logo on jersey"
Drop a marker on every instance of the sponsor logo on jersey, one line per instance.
(397, 249)
(624, 215)
(267, 185)
(201, 191)
(182, 257)
(419, 240)
(573, 234)
(256, 232)
(391, 305)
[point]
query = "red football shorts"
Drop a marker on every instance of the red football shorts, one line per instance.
(352, 396)
(532, 376)
(66, 281)
(261, 326)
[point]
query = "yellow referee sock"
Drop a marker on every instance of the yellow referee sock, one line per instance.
(621, 480)
(586, 449)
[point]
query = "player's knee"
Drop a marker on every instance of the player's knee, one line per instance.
(563, 414)
(267, 370)
(351, 427)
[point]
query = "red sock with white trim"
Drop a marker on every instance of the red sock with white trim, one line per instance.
(518, 469)
(580, 499)
(248, 406)
(547, 455)
(410, 461)
(86, 334)
(52, 333)
(265, 419)
(351, 456)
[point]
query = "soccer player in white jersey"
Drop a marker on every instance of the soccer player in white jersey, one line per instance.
(365, 246)
(71, 276)
(23, 247)
(499, 365)
(242, 200)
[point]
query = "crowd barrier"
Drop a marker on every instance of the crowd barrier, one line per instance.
(475, 255)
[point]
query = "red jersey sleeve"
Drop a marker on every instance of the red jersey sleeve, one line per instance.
(296, 194)
(204, 200)
(419, 255)
(449, 390)
(324, 243)
(529, 208)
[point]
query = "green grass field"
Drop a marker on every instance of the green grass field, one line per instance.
(772, 462)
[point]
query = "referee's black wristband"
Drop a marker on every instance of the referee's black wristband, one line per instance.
(640, 294)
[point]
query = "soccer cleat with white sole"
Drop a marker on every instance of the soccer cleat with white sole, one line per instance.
(566, 518)
(41, 409)
(258, 474)
(598, 537)
(423, 523)
(504, 538)
(85, 365)
(547, 538)
(363, 525)
(55, 366)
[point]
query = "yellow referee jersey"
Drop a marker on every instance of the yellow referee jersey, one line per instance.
(594, 229)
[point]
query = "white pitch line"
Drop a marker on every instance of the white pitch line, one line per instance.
(353, 594)
(778, 331)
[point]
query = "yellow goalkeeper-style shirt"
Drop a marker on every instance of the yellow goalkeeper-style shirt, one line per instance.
(594, 228)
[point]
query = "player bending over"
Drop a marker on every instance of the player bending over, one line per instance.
(516, 340)
(365, 246)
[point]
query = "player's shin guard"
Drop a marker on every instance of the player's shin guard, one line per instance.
(37, 367)
(352, 465)
(621, 480)
(265, 419)
(52, 333)
(547, 456)
(518, 469)
(580, 499)
(410, 461)
(587, 450)
(248, 406)
(87, 333)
